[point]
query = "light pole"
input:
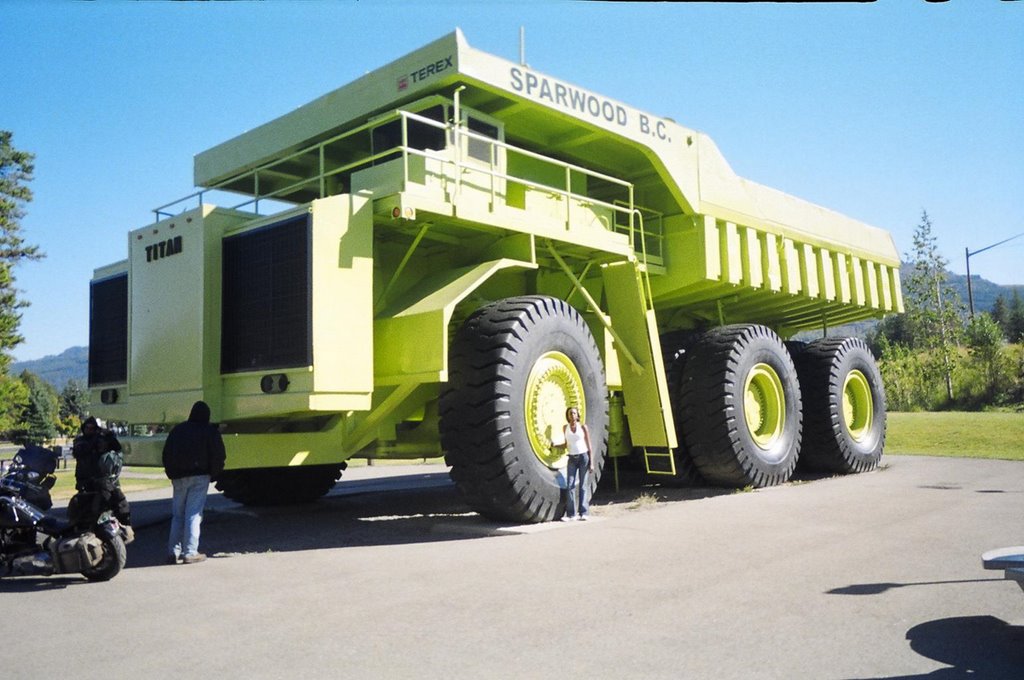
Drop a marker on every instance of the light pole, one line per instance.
(967, 254)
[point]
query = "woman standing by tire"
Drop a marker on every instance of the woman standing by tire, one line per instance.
(578, 449)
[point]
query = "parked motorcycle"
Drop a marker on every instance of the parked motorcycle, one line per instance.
(35, 543)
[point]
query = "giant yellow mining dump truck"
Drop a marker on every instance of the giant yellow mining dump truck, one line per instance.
(442, 256)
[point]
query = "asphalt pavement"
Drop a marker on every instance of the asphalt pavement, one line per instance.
(876, 575)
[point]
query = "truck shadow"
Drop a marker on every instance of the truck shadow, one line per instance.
(367, 519)
(404, 509)
(399, 510)
(385, 513)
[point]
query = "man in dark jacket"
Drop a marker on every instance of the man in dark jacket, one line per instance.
(193, 457)
(98, 484)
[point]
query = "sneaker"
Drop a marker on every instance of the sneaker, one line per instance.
(567, 518)
(584, 518)
(193, 559)
(172, 559)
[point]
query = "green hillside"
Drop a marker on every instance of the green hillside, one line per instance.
(71, 364)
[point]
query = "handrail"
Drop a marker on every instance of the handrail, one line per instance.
(567, 192)
(541, 157)
(657, 234)
(648, 293)
(459, 133)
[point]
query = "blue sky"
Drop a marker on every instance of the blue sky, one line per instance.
(877, 111)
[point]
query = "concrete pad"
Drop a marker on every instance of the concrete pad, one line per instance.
(864, 576)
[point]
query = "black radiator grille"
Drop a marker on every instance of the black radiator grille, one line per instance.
(108, 330)
(266, 298)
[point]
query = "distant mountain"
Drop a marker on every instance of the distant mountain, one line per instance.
(984, 291)
(71, 364)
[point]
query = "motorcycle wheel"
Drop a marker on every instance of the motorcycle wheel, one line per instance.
(110, 565)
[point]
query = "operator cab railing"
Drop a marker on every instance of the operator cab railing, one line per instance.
(437, 127)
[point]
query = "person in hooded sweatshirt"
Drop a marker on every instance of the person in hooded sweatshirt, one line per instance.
(88, 450)
(193, 457)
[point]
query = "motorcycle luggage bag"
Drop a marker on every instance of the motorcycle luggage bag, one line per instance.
(77, 553)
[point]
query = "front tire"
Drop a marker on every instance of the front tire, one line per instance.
(516, 365)
(844, 406)
(740, 407)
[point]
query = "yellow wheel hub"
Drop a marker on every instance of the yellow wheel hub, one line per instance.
(858, 405)
(553, 385)
(764, 405)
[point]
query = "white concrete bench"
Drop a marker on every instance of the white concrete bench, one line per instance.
(1010, 560)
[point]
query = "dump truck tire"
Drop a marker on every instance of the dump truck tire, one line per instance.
(675, 356)
(515, 366)
(740, 407)
(278, 486)
(844, 406)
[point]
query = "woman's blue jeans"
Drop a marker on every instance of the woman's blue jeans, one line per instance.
(187, 514)
(576, 472)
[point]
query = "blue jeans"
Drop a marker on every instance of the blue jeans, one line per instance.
(577, 470)
(187, 514)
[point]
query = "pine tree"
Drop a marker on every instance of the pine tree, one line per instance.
(934, 309)
(74, 404)
(1015, 318)
(38, 423)
(985, 343)
(16, 168)
(1001, 315)
(13, 401)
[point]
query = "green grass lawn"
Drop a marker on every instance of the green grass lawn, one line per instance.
(957, 434)
(65, 486)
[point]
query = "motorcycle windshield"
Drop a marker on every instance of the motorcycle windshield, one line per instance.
(37, 459)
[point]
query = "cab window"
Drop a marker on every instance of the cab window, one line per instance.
(477, 148)
(421, 135)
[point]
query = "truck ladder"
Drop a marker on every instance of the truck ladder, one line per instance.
(644, 383)
(635, 334)
(659, 461)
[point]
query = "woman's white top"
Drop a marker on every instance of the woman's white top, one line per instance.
(575, 443)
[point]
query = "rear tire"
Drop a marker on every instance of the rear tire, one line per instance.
(740, 407)
(515, 366)
(675, 365)
(114, 556)
(278, 486)
(844, 406)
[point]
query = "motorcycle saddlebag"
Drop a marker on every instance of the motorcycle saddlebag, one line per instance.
(78, 553)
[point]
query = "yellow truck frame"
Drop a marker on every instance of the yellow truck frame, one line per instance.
(443, 255)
